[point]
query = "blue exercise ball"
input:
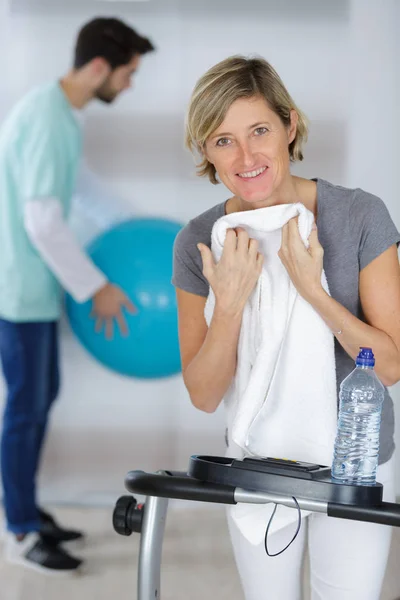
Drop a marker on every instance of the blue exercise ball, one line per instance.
(137, 256)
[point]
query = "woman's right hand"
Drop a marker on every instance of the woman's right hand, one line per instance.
(234, 277)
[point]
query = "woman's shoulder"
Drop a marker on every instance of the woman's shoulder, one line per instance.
(198, 229)
(358, 214)
(331, 190)
(356, 203)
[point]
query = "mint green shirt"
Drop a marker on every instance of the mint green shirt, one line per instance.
(40, 150)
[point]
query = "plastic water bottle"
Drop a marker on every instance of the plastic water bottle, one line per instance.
(356, 450)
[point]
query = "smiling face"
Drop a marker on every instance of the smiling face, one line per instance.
(250, 151)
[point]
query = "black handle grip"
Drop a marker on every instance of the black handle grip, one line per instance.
(178, 485)
(386, 513)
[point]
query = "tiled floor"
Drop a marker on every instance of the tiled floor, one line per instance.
(197, 561)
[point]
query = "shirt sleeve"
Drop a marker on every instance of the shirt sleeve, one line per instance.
(373, 226)
(187, 265)
(55, 242)
(44, 170)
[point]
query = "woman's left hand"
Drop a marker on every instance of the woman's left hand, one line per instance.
(303, 265)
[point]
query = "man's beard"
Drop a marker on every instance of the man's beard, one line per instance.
(106, 96)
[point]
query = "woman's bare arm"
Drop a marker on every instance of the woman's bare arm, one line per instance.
(208, 354)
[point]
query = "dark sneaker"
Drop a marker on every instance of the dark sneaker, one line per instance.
(50, 530)
(35, 553)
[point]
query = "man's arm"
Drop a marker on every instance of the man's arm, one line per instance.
(56, 243)
(45, 168)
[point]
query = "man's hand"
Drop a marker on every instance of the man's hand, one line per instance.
(108, 304)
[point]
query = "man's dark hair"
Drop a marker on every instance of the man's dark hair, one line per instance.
(110, 39)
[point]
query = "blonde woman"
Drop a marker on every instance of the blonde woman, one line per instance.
(247, 130)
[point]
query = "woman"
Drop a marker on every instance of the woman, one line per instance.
(248, 130)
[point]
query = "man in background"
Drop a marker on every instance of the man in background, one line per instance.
(40, 152)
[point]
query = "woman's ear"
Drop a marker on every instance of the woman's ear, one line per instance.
(294, 118)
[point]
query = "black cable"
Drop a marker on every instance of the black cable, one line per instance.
(293, 538)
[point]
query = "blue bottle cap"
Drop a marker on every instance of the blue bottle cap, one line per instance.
(365, 358)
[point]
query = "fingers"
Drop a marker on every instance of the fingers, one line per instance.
(243, 240)
(238, 240)
(109, 328)
(245, 243)
(207, 259)
(295, 241)
(235, 239)
(107, 324)
(122, 324)
(285, 236)
(130, 307)
(231, 240)
(315, 248)
(253, 247)
(98, 325)
(259, 262)
(293, 233)
(250, 246)
(291, 239)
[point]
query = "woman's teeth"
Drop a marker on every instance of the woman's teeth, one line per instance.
(252, 173)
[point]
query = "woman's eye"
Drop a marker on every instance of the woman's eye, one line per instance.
(222, 142)
(260, 130)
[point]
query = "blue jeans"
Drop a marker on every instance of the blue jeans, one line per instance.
(29, 358)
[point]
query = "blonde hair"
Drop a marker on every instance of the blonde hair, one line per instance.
(233, 78)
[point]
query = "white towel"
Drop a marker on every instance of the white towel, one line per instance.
(282, 402)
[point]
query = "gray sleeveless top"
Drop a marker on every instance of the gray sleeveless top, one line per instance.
(354, 227)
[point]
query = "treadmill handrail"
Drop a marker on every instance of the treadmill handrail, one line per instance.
(178, 485)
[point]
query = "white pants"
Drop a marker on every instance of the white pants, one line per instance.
(347, 558)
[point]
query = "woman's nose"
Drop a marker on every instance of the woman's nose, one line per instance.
(247, 156)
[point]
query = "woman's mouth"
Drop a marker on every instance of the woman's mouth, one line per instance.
(251, 175)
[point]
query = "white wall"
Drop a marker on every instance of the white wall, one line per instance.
(104, 424)
(373, 148)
